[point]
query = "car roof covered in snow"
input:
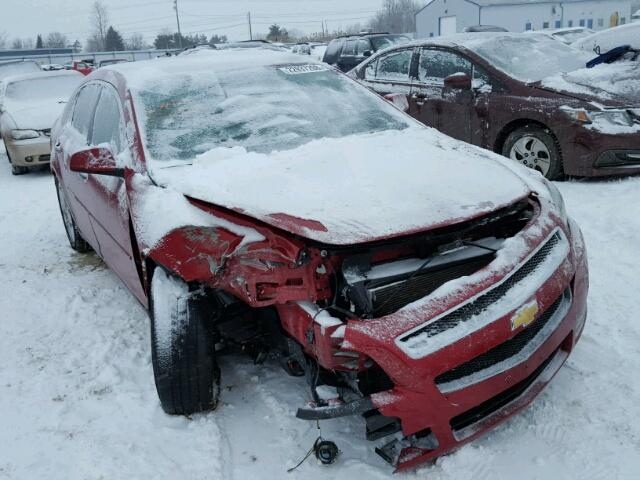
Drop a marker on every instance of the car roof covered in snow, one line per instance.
(138, 74)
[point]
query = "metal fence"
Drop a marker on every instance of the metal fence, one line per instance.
(96, 58)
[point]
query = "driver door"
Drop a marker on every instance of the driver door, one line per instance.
(110, 209)
(448, 110)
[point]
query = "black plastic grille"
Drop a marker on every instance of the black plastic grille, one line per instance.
(494, 404)
(391, 298)
(44, 158)
(479, 305)
(505, 350)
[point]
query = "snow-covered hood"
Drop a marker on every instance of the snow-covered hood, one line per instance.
(615, 84)
(353, 189)
(39, 115)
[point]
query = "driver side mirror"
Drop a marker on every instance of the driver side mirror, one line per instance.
(458, 81)
(367, 53)
(98, 161)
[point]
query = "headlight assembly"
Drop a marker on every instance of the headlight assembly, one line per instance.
(24, 134)
(558, 201)
(614, 117)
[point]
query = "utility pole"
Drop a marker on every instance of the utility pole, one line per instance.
(249, 20)
(175, 6)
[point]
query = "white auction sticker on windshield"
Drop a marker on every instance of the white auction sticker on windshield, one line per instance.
(298, 69)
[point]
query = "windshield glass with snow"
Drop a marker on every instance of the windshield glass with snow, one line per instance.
(263, 109)
(529, 58)
(388, 41)
(36, 89)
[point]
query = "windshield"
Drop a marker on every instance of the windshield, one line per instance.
(380, 43)
(569, 36)
(262, 109)
(43, 88)
(528, 58)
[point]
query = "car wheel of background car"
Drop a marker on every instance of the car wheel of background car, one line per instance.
(75, 239)
(536, 148)
(15, 170)
(186, 373)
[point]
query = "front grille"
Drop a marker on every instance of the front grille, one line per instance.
(504, 351)
(480, 304)
(391, 298)
(44, 158)
(494, 404)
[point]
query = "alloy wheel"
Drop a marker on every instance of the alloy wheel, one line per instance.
(532, 153)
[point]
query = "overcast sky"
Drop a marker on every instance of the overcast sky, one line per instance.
(27, 18)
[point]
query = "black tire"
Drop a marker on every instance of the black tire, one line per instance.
(73, 234)
(186, 373)
(16, 170)
(547, 159)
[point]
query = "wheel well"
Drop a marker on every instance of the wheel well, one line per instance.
(511, 127)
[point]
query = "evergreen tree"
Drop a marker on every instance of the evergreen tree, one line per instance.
(113, 41)
(39, 42)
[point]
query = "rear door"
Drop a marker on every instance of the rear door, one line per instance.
(74, 136)
(390, 73)
(348, 57)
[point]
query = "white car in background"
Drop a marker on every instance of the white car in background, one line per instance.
(567, 35)
(605, 40)
(31, 104)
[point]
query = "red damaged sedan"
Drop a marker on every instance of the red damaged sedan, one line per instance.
(252, 199)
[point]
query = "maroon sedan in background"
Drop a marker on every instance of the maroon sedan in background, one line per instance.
(527, 97)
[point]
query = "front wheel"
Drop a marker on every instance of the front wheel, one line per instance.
(186, 373)
(536, 148)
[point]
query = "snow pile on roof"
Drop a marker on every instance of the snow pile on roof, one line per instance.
(140, 74)
(353, 189)
(628, 34)
(36, 100)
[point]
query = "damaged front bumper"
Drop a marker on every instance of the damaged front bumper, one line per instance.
(464, 359)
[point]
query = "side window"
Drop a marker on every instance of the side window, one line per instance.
(363, 46)
(480, 77)
(333, 51)
(370, 71)
(84, 108)
(395, 66)
(436, 65)
(107, 123)
(349, 48)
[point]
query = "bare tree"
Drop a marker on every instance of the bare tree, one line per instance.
(55, 40)
(17, 44)
(396, 16)
(135, 42)
(3, 39)
(28, 43)
(100, 23)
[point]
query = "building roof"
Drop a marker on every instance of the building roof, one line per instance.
(491, 3)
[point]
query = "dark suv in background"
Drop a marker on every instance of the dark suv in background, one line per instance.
(348, 51)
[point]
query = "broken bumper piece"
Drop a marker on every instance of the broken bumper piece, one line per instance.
(357, 407)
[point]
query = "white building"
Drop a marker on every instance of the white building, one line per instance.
(445, 17)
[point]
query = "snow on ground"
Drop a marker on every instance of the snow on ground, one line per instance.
(77, 399)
